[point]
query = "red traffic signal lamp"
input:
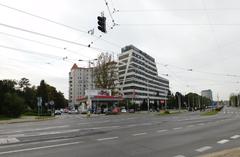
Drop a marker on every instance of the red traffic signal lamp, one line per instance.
(102, 24)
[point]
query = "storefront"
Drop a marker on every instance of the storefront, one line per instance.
(99, 100)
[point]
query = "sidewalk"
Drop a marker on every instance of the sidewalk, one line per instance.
(235, 152)
(25, 119)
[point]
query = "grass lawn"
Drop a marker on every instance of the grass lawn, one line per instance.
(210, 113)
(2, 117)
(162, 113)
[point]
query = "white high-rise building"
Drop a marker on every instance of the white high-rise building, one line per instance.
(207, 94)
(80, 79)
(138, 77)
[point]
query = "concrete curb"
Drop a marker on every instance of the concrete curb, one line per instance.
(235, 152)
(25, 121)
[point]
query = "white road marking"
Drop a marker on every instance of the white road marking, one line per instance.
(50, 141)
(8, 140)
(107, 138)
(235, 137)
(201, 124)
(202, 149)
(104, 127)
(131, 125)
(190, 126)
(179, 156)
(59, 132)
(162, 131)
(38, 148)
(37, 129)
(139, 134)
(145, 124)
(9, 146)
(177, 128)
(223, 141)
(17, 135)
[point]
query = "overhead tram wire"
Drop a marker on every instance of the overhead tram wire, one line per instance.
(175, 24)
(198, 71)
(42, 43)
(177, 10)
(32, 52)
(110, 14)
(38, 53)
(57, 23)
(52, 37)
(43, 18)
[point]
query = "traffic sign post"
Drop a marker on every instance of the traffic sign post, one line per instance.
(52, 104)
(39, 104)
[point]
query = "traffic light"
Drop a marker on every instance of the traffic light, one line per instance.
(102, 24)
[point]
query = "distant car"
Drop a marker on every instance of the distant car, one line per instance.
(98, 111)
(131, 111)
(73, 112)
(57, 112)
(84, 111)
(123, 110)
(105, 110)
(116, 110)
(65, 110)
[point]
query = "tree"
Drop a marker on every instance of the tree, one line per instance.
(59, 100)
(6, 86)
(24, 83)
(105, 72)
(42, 91)
(172, 101)
(13, 105)
(30, 96)
(49, 93)
(233, 100)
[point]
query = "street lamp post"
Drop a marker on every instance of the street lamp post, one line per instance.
(89, 61)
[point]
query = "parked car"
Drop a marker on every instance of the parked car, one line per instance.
(116, 110)
(57, 112)
(65, 110)
(84, 111)
(73, 112)
(123, 110)
(131, 111)
(99, 111)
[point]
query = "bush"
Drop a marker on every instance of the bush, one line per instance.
(13, 105)
(30, 113)
(219, 108)
(166, 112)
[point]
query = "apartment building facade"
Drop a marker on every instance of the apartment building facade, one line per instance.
(138, 77)
(80, 80)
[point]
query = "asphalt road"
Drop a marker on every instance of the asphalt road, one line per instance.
(142, 135)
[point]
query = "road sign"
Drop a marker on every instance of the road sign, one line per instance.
(51, 102)
(39, 101)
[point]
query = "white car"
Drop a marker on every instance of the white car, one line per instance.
(124, 110)
(57, 112)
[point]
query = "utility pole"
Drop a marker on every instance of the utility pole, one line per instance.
(179, 102)
(199, 102)
(166, 92)
(147, 96)
(193, 104)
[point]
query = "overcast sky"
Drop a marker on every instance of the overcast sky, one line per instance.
(195, 42)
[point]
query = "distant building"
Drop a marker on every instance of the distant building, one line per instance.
(80, 80)
(207, 94)
(138, 77)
